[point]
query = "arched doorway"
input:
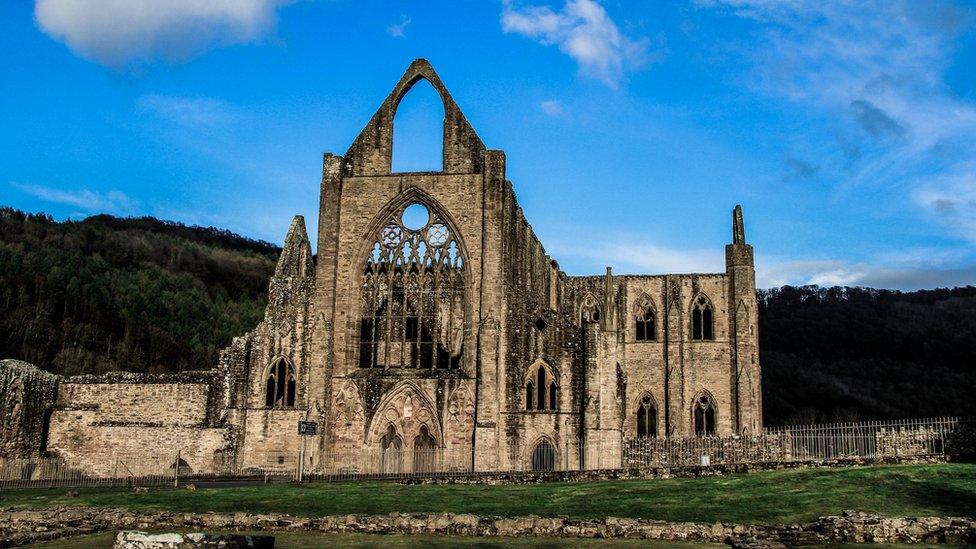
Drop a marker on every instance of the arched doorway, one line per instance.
(544, 456)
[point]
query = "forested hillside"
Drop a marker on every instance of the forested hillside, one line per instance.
(132, 294)
(855, 353)
(147, 295)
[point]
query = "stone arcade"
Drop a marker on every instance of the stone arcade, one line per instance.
(431, 322)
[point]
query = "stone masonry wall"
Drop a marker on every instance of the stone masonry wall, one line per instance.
(25, 526)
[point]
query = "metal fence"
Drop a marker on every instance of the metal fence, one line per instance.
(860, 440)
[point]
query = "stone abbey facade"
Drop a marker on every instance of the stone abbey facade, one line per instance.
(430, 318)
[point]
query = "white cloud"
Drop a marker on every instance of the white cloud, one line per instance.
(187, 111)
(629, 253)
(87, 200)
(396, 30)
(117, 32)
(583, 30)
(876, 67)
(552, 107)
(836, 272)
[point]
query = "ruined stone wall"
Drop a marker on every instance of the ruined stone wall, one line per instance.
(137, 403)
(537, 332)
(106, 449)
(27, 396)
(142, 422)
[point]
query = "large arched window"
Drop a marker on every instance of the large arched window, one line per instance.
(704, 414)
(280, 385)
(413, 294)
(541, 390)
(646, 418)
(645, 329)
(702, 326)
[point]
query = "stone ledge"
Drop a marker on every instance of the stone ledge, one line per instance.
(17, 526)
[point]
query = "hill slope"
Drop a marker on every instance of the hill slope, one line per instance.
(134, 294)
(147, 295)
(836, 354)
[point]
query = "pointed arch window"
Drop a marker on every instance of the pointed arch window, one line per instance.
(424, 448)
(391, 456)
(413, 294)
(644, 323)
(541, 390)
(646, 418)
(418, 130)
(704, 414)
(589, 310)
(702, 323)
(280, 385)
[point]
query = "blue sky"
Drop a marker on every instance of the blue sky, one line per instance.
(847, 130)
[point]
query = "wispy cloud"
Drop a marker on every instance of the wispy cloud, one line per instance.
(877, 69)
(84, 199)
(798, 168)
(117, 32)
(187, 111)
(836, 272)
(552, 107)
(396, 30)
(583, 30)
(630, 253)
(907, 269)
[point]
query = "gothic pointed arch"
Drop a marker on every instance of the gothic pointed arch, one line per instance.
(407, 407)
(589, 311)
(371, 152)
(645, 318)
(543, 454)
(646, 416)
(413, 287)
(280, 383)
(541, 387)
(704, 414)
(702, 318)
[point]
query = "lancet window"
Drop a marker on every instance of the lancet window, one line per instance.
(701, 320)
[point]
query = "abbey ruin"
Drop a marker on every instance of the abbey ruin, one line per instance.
(429, 322)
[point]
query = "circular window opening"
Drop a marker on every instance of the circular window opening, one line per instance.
(415, 217)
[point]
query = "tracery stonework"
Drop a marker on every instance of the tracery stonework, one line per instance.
(430, 331)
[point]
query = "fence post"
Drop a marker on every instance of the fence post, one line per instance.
(176, 470)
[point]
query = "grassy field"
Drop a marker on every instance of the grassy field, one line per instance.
(769, 497)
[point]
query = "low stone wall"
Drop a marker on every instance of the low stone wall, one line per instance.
(647, 473)
(25, 526)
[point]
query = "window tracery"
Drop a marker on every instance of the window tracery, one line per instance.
(704, 412)
(702, 324)
(589, 310)
(413, 294)
(541, 390)
(646, 418)
(280, 385)
(644, 323)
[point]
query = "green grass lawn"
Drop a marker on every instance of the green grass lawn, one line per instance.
(768, 497)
